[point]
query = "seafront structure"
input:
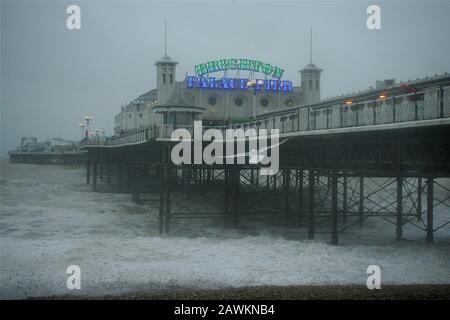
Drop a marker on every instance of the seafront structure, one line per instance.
(337, 154)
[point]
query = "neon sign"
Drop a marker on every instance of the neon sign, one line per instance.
(238, 64)
(237, 83)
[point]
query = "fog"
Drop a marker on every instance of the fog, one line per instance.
(52, 77)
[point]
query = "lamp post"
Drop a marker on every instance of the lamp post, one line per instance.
(254, 84)
(82, 125)
(98, 136)
(88, 119)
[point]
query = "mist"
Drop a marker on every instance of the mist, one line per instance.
(52, 77)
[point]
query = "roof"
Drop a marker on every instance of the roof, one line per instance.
(181, 100)
(311, 67)
(148, 96)
(166, 60)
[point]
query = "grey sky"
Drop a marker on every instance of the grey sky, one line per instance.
(52, 77)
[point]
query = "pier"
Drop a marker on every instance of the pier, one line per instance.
(340, 155)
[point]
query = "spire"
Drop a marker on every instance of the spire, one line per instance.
(165, 58)
(165, 37)
(310, 66)
(310, 45)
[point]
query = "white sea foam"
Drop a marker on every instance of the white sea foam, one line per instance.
(50, 219)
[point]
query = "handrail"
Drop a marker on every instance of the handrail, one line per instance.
(431, 103)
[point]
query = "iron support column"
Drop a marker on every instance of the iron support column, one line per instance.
(399, 222)
(430, 236)
(311, 205)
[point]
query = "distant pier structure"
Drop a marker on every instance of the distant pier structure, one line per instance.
(54, 151)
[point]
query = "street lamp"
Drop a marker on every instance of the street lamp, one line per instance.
(88, 119)
(82, 125)
(254, 84)
(98, 136)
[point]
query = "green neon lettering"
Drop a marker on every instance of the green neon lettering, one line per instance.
(244, 64)
(277, 73)
(222, 64)
(257, 66)
(201, 69)
(267, 69)
(212, 66)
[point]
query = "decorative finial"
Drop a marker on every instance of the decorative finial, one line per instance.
(310, 45)
(165, 37)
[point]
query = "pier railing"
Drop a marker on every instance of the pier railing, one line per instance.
(137, 136)
(410, 107)
(432, 103)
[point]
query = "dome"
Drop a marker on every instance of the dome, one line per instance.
(311, 67)
(166, 60)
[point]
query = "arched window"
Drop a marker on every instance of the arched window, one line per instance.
(264, 102)
(212, 100)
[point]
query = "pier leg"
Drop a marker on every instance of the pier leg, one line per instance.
(300, 198)
(430, 236)
(361, 200)
(287, 183)
(138, 175)
(119, 175)
(130, 177)
(334, 209)
(101, 170)
(88, 171)
(274, 182)
(94, 176)
(311, 205)
(167, 211)
(108, 172)
(226, 177)
(399, 222)
(236, 181)
(419, 198)
(161, 199)
(133, 182)
(344, 199)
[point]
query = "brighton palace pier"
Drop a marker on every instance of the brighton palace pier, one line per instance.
(218, 100)
(382, 153)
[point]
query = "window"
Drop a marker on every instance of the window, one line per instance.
(317, 84)
(238, 101)
(129, 115)
(264, 102)
(310, 84)
(164, 78)
(212, 100)
(171, 78)
(140, 115)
